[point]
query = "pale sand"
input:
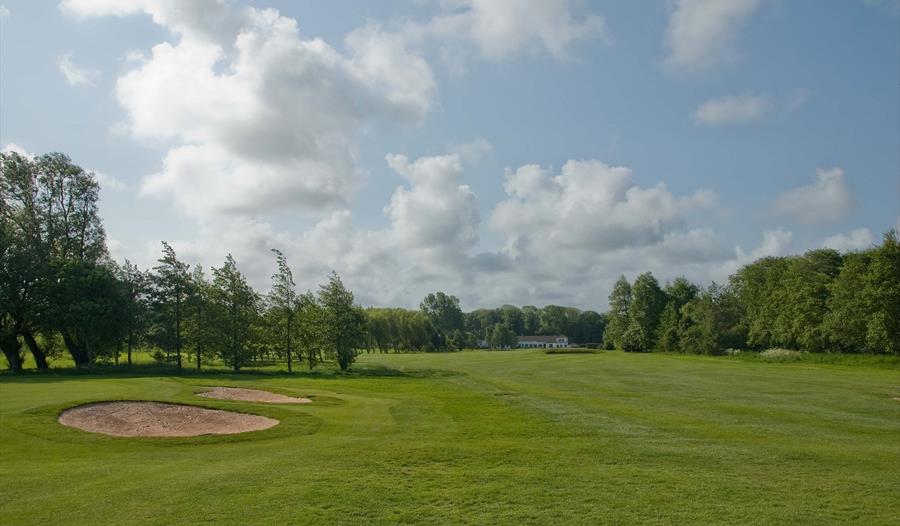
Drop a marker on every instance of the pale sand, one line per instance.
(157, 419)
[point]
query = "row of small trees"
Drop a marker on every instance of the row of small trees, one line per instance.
(60, 291)
(820, 301)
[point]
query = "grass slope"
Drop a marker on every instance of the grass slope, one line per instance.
(516, 437)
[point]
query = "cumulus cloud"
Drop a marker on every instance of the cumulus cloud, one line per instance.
(109, 182)
(12, 147)
(262, 120)
(739, 109)
(701, 33)
(858, 239)
(500, 29)
(827, 200)
(589, 205)
(436, 216)
(76, 75)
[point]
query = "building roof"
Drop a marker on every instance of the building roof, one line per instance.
(541, 339)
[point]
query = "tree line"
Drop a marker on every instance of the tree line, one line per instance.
(821, 301)
(61, 292)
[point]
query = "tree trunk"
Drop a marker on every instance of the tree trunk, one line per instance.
(178, 332)
(77, 350)
(289, 343)
(9, 344)
(39, 357)
(199, 350)
(130, 344)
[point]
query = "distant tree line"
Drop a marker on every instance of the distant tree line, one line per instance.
(60, 292)
(822, 301)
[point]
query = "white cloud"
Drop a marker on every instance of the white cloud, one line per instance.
(436, 216)
(109, 182)
(262, 120)
(76, 75)
(17, 148)
(738, 109)
(827, 200)
(4, 12)
(588, 206)
(858, 239)
(500, 29)
(472, 151)
(701, 33)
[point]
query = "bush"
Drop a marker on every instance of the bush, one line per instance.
(780, 355)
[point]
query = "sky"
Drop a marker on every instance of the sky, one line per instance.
(503, 151)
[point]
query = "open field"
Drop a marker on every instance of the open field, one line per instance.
(475, 438)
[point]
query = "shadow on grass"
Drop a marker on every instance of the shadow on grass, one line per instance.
(328, 371)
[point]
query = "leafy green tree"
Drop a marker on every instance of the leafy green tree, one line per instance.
(554, 320)
(712, 322)
(883, 294)
(647, 303)
(443, 311)
(311, 334)
(806, 291)
(848, 311)
(88, 306)
(50, 215)
(531, 320)
(237, 309)
(283, 299)
(136, 286)
(171, 288)
(761, 290)
(199, 316)
(343, 324)
(619, 306)
(679, 293)
(502, 337)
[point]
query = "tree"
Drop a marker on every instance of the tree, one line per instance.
(679, 293)
(135, 285)
(343, 324)
(848, 311)
(647, 304)
(443, 311)
(199, 315)
(883, 295)
(619, 305)
(171, 287)
(88, 306)
(761, 291)
(712, 322)
(531, 320)
(806, 291)
(236, 306)
(283, 300)
(310, 320)
(502, 337)
(554, 320)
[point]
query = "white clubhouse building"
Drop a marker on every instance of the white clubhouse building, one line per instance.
(542, 342)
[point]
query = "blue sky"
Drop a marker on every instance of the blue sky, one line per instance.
(536, 153)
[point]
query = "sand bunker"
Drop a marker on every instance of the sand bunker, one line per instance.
(251, 395)
(157, 419)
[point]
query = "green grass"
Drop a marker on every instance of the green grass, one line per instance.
(518, 437)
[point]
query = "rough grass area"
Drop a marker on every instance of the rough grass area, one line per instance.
(475, 438)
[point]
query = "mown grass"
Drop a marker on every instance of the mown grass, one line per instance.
(475, 438)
